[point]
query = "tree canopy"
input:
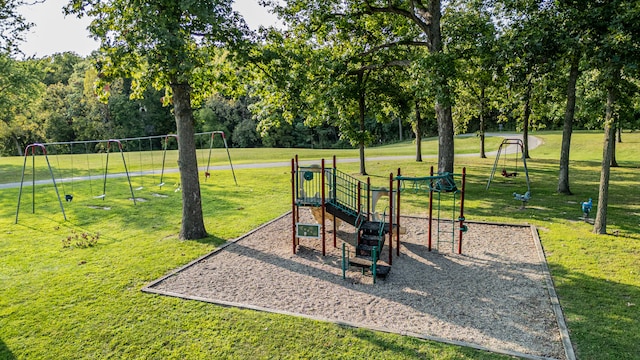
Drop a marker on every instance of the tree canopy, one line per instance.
(171, 45)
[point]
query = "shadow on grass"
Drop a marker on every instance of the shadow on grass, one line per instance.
(603, 316)
(5, 353)
(379, 340)
(548, 205)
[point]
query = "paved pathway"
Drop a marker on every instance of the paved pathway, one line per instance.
(534, 142)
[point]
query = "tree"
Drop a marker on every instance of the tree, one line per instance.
(374, 31)
(322, 78)
(19, 88)
(172, 45)
(12, 25)
(473, 38)
(613, 49)
(529, 52)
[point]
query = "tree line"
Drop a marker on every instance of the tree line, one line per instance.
(340, 73)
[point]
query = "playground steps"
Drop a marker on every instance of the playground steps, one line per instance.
(347, 215)
(374, 227)
(381, 270)
(369, 239)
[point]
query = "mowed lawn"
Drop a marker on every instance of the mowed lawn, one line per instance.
(61, 299)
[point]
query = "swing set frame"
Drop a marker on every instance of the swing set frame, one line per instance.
(206, 169)
(519, 153)
(31, 150)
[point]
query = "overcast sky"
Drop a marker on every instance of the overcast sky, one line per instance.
(55, 33)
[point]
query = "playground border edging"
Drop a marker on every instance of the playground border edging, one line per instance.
(555, 303)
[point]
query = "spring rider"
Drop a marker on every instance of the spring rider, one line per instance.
(586, 208)
(522, 197)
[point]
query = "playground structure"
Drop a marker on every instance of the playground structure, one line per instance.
(342, 197)
(72, 151)
(438, 186)
(503, 150)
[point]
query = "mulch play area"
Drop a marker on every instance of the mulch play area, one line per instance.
(496, 296)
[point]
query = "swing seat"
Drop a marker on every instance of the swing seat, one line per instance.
(68, 197)
(100, 196)
(161, 184)
(508, 175)
(207, 174)
(139, 188)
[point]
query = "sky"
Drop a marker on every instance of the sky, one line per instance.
(55, 33)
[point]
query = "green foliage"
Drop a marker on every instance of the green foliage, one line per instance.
(159, 43)
(13, 26)
(19, 87)
(58, 68)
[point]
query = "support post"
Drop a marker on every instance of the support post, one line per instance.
(461, 218)
(358, 205)
(390, 219)
(322, 208)
(133, 197)
(368, 198)
(397, 215)
(293, 204)
(430, 210)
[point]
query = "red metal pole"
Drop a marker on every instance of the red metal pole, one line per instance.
(322, 208)
(335, 227)
(398, 215)
(464, 175)
(430, 210)
(293, 204)
(390, 218)
(297, 187)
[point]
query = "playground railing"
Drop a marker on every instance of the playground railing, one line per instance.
(343, 190)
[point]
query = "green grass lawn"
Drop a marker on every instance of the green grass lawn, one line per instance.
(67, 302)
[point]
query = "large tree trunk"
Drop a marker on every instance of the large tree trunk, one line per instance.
(361, 108)
(445, 138)
(192, 219)
(443, 109)
(418, 131)
(619, 129)
(569, 113)
(600, 223)
(17, 143)
(483, 155)
(614, 161)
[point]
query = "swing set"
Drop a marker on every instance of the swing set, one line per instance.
(30, 150)
(43, 151)
(207, 174)
(207, 170)
(67, 148)
(508, 145)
